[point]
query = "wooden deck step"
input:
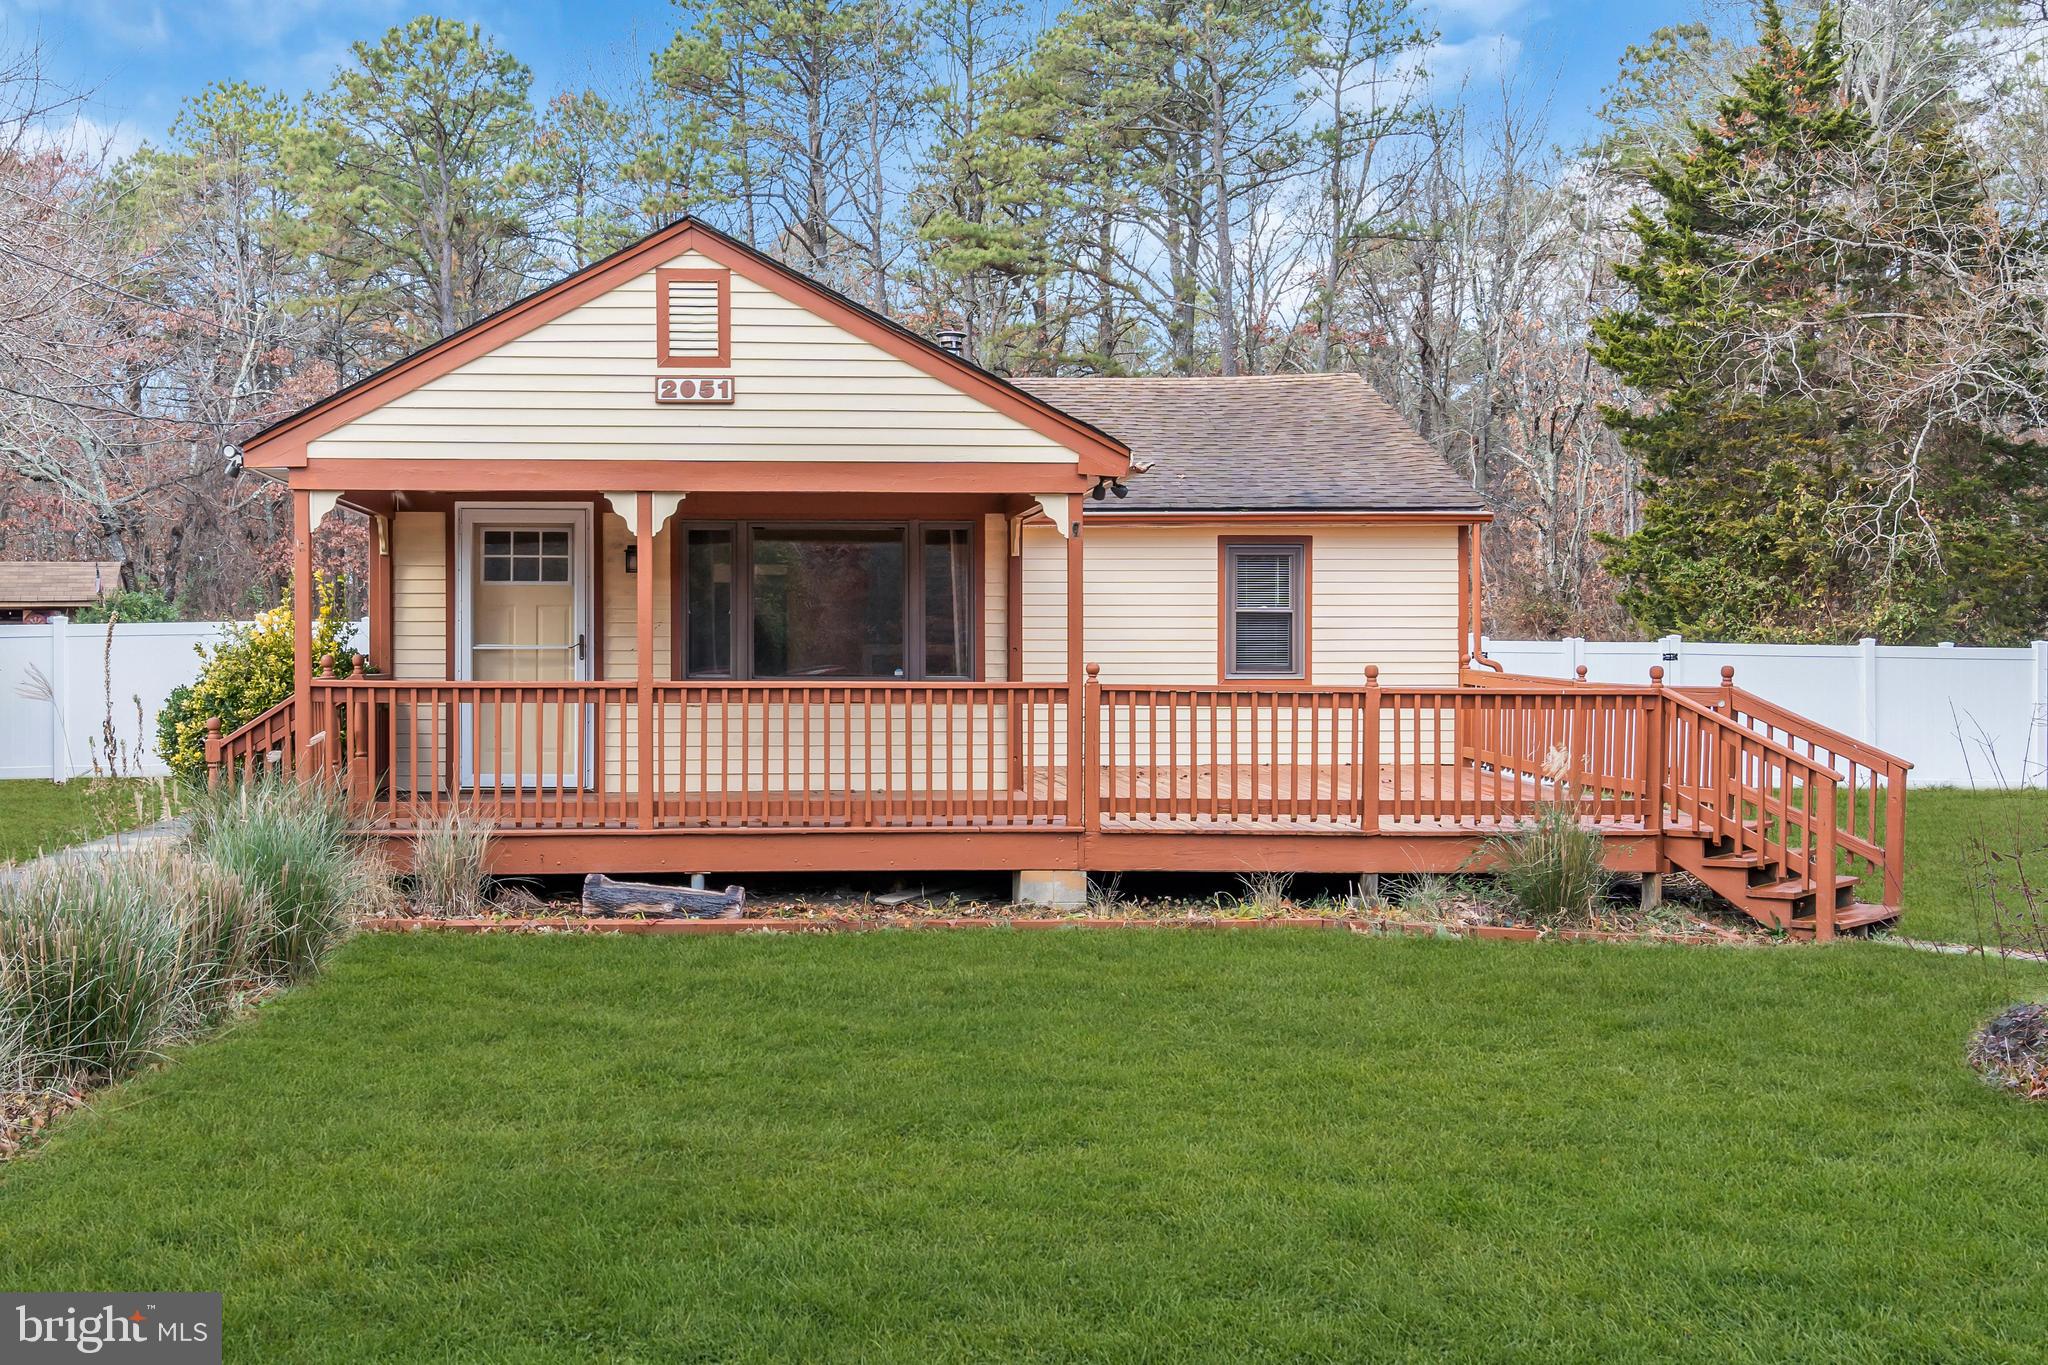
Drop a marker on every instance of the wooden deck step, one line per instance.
(1741, 862)
(1861, 915)
(1794, 889)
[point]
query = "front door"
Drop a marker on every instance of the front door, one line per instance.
(525, 620)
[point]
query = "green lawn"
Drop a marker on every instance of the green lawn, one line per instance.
(1946, 831)
(1159, 1145)
(40, 817)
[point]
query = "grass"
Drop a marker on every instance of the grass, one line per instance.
(41, 817)
(1140, 1144)
(1941, 826)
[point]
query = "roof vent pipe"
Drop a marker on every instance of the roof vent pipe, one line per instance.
(953, 340)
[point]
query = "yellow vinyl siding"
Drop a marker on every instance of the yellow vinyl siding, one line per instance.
(419, 595)
(995, 597)
(619, 612)
(581, 387)
(1385, 595)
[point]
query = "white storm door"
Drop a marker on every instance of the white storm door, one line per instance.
(523, 617)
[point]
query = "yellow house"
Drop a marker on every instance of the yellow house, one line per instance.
(688, 564)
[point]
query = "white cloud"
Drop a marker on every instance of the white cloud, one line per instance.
(87, 138)
(1445, 66)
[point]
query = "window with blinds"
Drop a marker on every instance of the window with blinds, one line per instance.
(1264, 635)
(693, 324)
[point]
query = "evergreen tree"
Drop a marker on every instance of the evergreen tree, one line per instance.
(1819, 459)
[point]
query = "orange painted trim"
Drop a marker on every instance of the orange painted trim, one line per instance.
(1223, 614)
(663, 281)
(1080, 781)
(633, 852)
(643, 652)
(283, 446)
(302, 628)
(531, 477)
(1112, 518)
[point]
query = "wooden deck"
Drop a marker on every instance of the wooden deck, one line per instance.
(1783, 817)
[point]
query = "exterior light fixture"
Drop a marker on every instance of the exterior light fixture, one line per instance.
(632, 559)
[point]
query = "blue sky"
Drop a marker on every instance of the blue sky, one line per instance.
(141, 57)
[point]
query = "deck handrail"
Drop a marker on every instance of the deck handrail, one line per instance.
(234, 754)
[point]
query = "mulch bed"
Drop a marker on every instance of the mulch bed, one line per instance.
(1694, 932)
(25, 1116)
(2011, 1051)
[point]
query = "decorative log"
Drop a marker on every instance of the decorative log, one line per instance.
(603, 896)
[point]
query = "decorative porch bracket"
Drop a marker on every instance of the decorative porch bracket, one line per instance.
(626, 506)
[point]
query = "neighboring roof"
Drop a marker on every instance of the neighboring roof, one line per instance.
(1099, 451)
(1262, 443)
(57, 583)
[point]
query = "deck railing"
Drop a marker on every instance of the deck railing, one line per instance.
(715, 755)
(251, 749)
(978, 756)
(1871, 804)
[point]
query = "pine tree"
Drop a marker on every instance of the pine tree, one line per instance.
(1810, 471)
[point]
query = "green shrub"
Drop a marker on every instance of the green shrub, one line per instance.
(144, 604)
(89, 969)
(449, 859)
(245, 674)
(288, 839)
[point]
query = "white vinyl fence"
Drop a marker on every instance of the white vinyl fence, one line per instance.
(55, 682)
(1961, 717)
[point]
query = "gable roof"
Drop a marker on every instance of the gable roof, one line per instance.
(1263, 443)
(57, 583)
(283, 443)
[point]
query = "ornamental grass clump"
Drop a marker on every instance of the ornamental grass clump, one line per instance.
(288, 839)
(450, 856)
(104, 961)
(89, 969)
(1555, 868)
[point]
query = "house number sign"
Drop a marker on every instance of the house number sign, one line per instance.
(693, 389)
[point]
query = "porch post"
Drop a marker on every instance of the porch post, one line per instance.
(380, 592)
(1077, 775)
(643, 653)
(302, 626)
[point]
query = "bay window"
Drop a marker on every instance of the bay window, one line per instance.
(838, 600)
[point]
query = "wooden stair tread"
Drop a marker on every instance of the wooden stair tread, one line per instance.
(1793, 890)
(1734, 861)
(1857, 916)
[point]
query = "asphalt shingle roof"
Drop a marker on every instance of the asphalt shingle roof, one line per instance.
(57, 583)
(1262, 443)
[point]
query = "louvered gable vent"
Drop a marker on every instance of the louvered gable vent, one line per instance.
(692, 317)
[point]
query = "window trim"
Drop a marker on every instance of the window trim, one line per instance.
(743, 529)
(1226, 613)
(663, 279)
